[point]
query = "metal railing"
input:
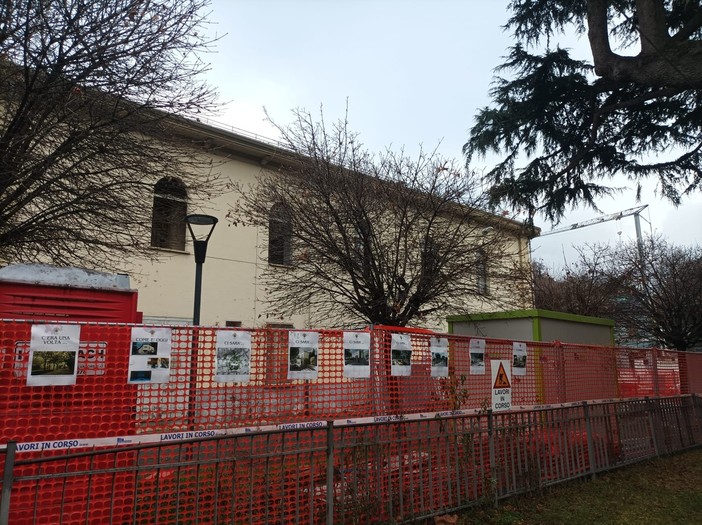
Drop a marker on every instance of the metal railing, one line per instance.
(345, 472)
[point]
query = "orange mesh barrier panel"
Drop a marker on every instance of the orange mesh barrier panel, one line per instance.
(321, 377)
(102, 403)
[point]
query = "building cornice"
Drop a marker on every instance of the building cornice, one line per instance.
(231, 142)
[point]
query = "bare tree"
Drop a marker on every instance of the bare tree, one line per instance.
(655, 299)
(584, 287)
(661, 299)
(376, 239)
(88, 91)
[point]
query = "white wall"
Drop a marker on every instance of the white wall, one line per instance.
(229, 283)
(236, 257)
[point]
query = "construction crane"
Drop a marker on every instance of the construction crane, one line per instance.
(636, 212)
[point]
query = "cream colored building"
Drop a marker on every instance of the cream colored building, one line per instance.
(232, 294)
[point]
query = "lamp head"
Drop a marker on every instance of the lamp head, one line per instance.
(200, 221)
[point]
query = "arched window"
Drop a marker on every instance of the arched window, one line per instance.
(168, 218)
(430, 261)
(481, 272)
(280, 235)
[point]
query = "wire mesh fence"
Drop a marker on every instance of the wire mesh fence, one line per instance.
(345, 472)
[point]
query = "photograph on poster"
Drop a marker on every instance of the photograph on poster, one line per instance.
(519, 358)
(356, 357)
(158, 362)
(53, 363)
(232, 361)
(141, 376)
(402, 357)
(477, 356)
(303, 358)
(145, 348)
(439, 359)
(53, 355)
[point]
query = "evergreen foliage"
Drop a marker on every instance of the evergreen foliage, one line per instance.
(565, 126)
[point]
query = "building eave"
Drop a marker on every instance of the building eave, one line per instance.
(231, 142)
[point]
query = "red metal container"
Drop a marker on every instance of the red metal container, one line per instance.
(101, 403)
(45, 293)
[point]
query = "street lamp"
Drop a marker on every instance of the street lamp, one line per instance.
(204, 226)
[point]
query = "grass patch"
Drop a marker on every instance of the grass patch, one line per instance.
(663, 491)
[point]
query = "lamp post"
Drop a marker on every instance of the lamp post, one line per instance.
(204, 226)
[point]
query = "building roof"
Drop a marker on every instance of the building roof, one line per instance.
(236, 143)
(55, 276)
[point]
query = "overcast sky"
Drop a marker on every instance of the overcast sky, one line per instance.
(414, 72)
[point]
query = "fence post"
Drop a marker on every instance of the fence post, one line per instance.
(491, 449)
(590, 442)
(192, 375)
(7, 479)
(654, 364)
(652, 425)
(696, 418)
(561, 370)
(697, 414)
(330, 473)
(686, 407)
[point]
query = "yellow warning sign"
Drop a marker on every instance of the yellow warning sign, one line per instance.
(502, 391)
(502, 380)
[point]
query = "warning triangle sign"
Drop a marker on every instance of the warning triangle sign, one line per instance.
(502, 381)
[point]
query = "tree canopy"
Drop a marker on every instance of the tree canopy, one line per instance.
(653, 292)
(87, 92)
(585, 287)
(661, 294)
(564, 126)
(384, 239)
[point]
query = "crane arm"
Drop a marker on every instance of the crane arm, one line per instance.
(597, 220)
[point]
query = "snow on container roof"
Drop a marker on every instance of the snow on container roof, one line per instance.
(55, 276)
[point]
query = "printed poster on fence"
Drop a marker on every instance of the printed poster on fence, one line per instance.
(233, 356)
(401, 355)
(438, 346)
(150, 355)
(53, 355)
(476, 349)
(357, 354)
(519, 359)
(303, 351)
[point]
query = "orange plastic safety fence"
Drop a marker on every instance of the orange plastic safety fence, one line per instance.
(103, 403)
(385, 472)
(289, 376)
